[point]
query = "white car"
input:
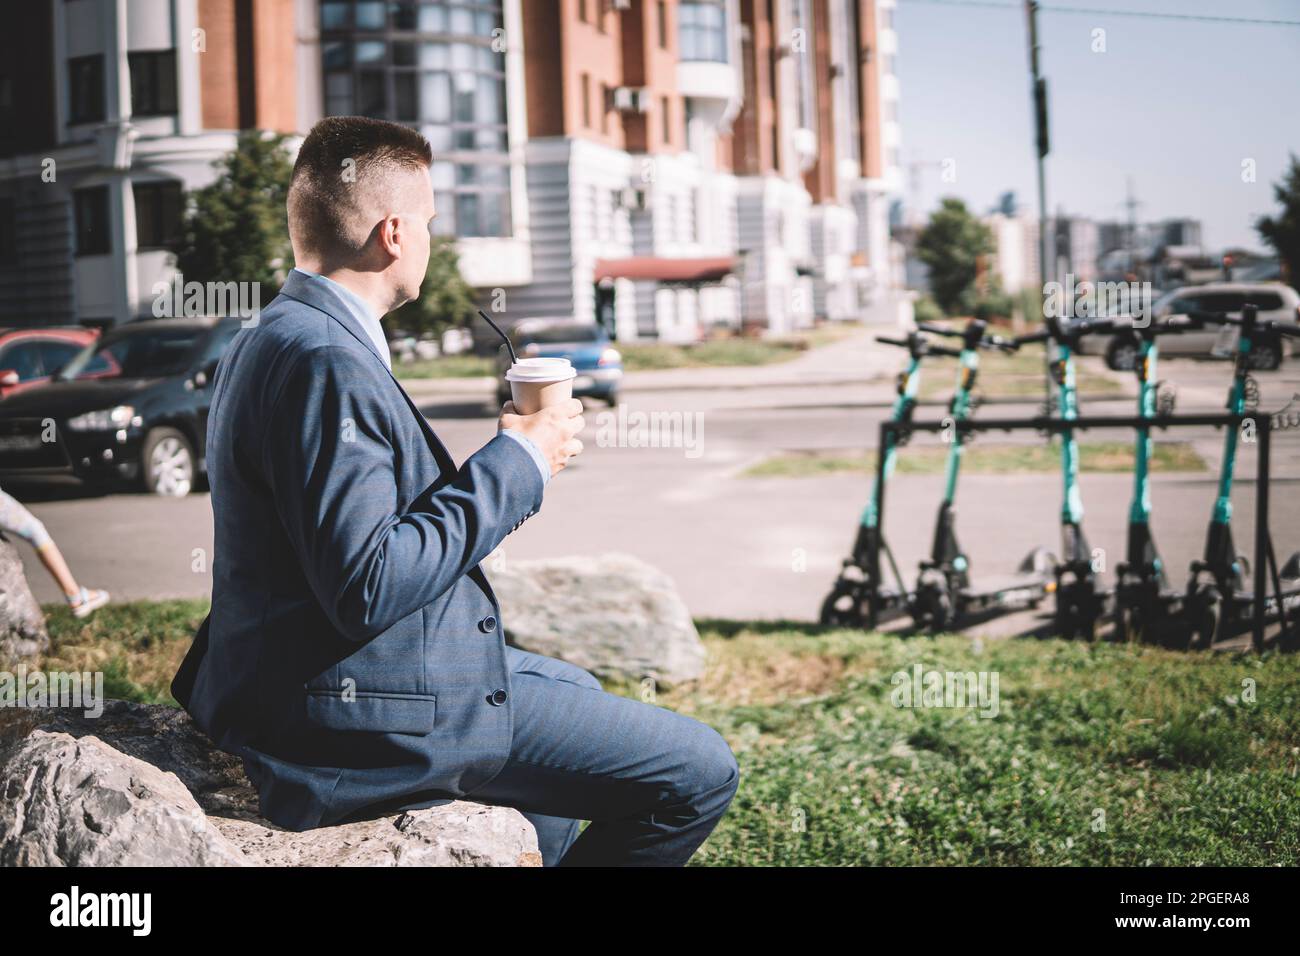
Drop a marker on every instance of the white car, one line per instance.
(1276, 302)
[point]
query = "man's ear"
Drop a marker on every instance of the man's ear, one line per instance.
(390, 236)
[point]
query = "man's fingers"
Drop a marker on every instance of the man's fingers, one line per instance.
(572, 407)
(509, 408)
(573, 447)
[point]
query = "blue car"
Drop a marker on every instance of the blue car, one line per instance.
(587, 346)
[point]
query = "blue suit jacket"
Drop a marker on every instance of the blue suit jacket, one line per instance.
(354, 654)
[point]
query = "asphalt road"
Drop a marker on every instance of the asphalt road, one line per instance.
(737, 547)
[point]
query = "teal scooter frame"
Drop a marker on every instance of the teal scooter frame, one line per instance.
(1219, 599)
(945, 593)
(1081, 602)
(859, 598)
(1146, 607)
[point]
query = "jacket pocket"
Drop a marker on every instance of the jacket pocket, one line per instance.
(376, 712)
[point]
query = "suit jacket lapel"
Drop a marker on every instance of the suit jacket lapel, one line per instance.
(319, 296)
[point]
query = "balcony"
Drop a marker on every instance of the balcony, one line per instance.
(706, 70)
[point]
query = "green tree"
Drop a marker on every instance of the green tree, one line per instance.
(1283, 232)
(951, 246)
(446, 300)
(235, 229)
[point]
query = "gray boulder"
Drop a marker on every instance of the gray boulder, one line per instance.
(70, 802)
(140, 785)
(22, 624)
(612, 614)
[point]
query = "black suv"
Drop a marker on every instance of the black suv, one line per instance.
(132, 405)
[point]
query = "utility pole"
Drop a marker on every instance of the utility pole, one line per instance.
(1131, 204)
(1039, 91)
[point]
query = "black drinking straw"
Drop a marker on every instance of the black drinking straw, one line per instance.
(514, 359)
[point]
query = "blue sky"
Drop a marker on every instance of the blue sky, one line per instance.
(1177, 105)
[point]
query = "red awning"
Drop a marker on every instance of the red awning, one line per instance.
(653, 268)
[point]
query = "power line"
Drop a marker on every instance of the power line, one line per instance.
(1102, 12)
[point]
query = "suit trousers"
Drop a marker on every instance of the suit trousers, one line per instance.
(652, 782)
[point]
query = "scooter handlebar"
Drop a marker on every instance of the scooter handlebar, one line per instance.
(927, 347)
(999, 343)
(1220, 318)
(940, 330)
(1030, 337)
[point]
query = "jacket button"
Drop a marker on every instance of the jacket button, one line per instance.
(497, 697)
(488, 624)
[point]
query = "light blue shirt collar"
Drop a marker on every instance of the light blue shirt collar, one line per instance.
(359, 310)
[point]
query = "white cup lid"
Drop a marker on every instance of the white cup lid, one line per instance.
(541, 370)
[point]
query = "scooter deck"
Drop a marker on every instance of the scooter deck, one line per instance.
(1034, 586)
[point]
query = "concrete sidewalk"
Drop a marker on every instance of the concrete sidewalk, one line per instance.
(850, 361)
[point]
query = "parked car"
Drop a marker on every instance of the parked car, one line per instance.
(599, 365)
(131, 405)
(1275, 301)
(29, 356)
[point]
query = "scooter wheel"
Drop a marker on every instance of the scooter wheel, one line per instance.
(843, 608)
(1205, 620)
(1075, 624)
(1132, 626)
(933, 608)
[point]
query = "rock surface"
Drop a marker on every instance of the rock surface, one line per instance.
(612, 614)
(141, 785)
(22, 625)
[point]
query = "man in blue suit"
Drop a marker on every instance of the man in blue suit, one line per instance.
(354, 654)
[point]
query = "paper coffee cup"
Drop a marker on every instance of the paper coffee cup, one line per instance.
(536, 383)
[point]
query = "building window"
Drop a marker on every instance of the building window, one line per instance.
(702, 31)
(583, 14)
(665, 109)
(86, 101)
(603, 105)
(153, 83)
(90, 208)
(433, 66)
(8, 229)
(158, 213)
(661, 18)
(585, 83)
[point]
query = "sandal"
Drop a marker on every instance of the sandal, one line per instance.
(87, 602)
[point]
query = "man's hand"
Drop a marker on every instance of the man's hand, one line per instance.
(553, 430)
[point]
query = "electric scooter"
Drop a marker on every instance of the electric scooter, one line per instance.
(1080, 601)
(1146, 607)
(859, 598)
(945, 594)
(1219, 601)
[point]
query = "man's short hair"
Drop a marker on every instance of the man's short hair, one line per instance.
(343, 169)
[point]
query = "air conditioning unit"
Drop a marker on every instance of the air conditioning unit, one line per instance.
(637, 200)
(620, 4)
(630, 99)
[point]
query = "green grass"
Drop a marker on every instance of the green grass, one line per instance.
(448, 366)
(730, 351)
(979, 459)
(1099, 755)
(137, 645)
(1018, 374)
(1103, 754)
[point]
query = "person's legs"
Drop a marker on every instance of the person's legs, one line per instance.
(554, 834)
(654, 783)
(16, 519)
